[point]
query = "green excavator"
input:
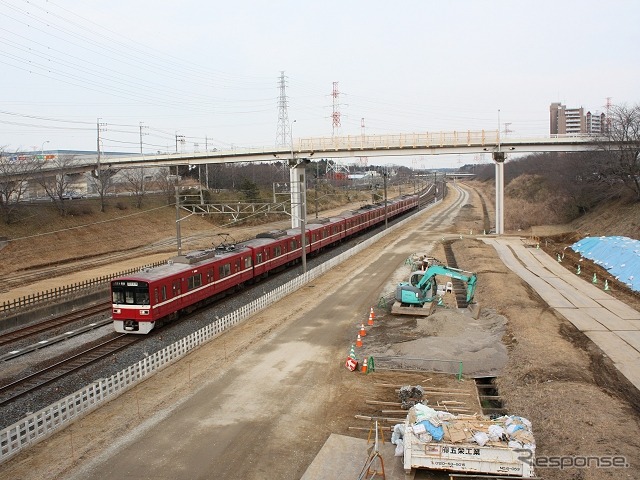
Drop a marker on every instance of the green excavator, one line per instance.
(422, 288)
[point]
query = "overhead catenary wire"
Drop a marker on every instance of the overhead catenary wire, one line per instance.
(208, 99)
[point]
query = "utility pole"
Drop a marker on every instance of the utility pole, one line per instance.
(303, 212)
(179, 138)
(316, 188)
(384, 175)
(178, 238)
(298, 181)
(142, 125)
(100, 127)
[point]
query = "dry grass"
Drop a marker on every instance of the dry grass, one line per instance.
(40, 236)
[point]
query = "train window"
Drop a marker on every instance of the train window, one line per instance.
(278, 251)
(142, 297)
(164, 292)
(237, 265)
(293, 245)
(258, 257)
(133, 293)
(194, 281)
(224, 270)
(118, 295)
(176, 288)
(247, 262)
(156, 295)
(210, 275)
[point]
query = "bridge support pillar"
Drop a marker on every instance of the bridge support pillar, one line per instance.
(499, 158)
(296, 197)
(298, 181)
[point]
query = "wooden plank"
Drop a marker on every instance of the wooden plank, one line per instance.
(453, 394)
(368, 429)
(380, 419)
(378, 402)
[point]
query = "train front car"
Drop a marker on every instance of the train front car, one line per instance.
(131, 306)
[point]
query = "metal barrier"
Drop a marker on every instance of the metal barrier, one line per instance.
(39, 425)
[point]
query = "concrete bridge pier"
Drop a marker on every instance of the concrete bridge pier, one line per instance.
(499, 157)
(297, 177)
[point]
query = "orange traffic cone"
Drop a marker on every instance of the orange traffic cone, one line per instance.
(363, 369)
(370, 322)
(372, 314)
(363, 332)
(359, 341)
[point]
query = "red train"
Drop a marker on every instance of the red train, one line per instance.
(152, 296)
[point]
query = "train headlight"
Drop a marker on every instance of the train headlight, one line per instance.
(117, 310)
(144, 312)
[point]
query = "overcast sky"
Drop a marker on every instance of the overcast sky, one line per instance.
(209, 70)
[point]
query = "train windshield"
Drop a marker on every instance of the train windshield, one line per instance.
(129, 292)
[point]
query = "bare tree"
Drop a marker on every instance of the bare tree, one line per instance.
(15, 172)
(166, 183)
(623, 156)
(136, 184)
(103, 179)
(55, 177)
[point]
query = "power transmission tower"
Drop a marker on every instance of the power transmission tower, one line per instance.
(283, 131)
(336, 112)
(335, 169)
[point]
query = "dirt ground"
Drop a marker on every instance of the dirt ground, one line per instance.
(547, 372)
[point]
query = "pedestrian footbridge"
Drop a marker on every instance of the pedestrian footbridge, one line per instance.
(402, 144)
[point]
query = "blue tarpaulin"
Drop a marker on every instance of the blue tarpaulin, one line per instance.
(618, 255)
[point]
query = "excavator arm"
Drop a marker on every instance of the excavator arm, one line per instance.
(420, 290)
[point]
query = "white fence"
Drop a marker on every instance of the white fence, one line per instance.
(37, 426)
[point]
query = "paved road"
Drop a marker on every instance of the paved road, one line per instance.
(609, 323)
(264, 413)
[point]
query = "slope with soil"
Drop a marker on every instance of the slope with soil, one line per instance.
(554, 376)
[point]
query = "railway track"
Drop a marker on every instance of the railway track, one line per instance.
(30, 383)
(19, 278)
(50, 373)
(30, 331)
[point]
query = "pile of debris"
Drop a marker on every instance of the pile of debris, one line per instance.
(429, 425)
(441, 440)
(409, 396)
(419, 261)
